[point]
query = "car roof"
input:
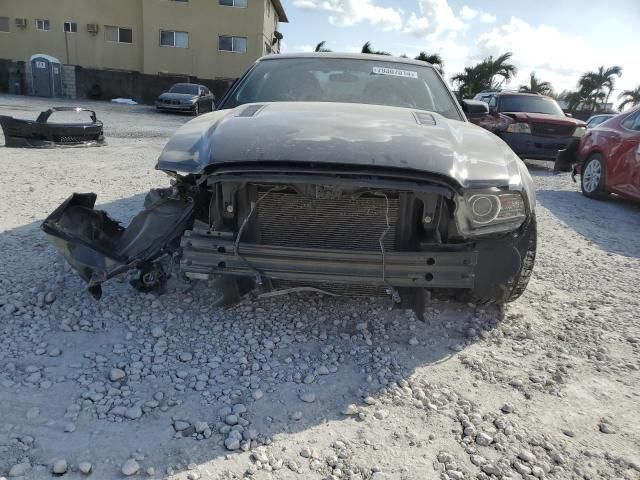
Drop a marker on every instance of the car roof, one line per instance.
(522, 94)
(187, 84)
(348, 56)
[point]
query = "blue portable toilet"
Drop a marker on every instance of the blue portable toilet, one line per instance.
(46, 73)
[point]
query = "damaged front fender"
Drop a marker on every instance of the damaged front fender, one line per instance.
(99, 248)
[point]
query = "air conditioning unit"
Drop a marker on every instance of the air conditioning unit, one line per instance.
(21, 22)
(93, 28)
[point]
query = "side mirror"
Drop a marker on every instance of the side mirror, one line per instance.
(568, 115)
(474, 108)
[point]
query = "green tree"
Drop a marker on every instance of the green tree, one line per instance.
(434, 59)
(471, 81)
(537, 86)
(499, 67)
(321, 47)
(599, 84)
(629, 97)
(367, 48)
(490, 73)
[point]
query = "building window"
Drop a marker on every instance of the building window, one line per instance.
(71, 27)
(169, 38)
(232, 44)
(4, 24)
(234, 3)
(42, 24)
(118, 34)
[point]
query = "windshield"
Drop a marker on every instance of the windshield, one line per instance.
(184, 88)
(346, 81)
(597, 120)
(530, 104)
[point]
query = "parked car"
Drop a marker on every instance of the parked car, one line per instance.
(607, 158)
(534, 126)
(596, 120)
(186, 97)
(345, 173)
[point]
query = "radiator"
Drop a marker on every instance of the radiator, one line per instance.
(348, 223)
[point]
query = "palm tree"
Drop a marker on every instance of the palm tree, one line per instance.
(600, 81)
(536, 86)
(482, 75)
(574, 99)
(366, 48)
(434, 59)
(471, 81)
(499, 67)
(631, 97)
(321, 47)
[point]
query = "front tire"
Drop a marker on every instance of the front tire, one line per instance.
(592, 177)
(196, 109)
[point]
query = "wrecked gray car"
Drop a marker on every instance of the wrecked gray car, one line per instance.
(43, 133)
(350, 174)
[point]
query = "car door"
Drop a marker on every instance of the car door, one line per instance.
(209, 98)
(623, 164)
(201, 100)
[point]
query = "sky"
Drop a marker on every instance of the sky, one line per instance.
(556, 39)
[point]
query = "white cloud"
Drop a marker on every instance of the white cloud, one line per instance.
(555, 56)
(468, 13)
(487, 18)
(436, 18)
(298, 48)
(351, 12)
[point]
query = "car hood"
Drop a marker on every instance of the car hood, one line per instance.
(545, 118)
(347, 134)
(177, 96)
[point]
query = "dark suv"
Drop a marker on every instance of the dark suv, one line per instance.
(533, 125)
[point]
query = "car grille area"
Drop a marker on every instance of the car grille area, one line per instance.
(291, 219)
(552, 130)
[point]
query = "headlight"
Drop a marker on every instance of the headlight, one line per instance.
(491, 212)
(519, 127)
(579, 132)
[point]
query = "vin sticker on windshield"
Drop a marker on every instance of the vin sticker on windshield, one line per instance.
(394, 72)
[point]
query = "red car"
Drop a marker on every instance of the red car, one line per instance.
(608, 157)
(534, 126)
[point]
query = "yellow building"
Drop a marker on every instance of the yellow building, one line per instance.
(214, 39)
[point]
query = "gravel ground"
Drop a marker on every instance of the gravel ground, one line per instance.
(307, 387)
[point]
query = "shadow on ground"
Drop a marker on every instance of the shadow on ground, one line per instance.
(607, 223)
(266, 354)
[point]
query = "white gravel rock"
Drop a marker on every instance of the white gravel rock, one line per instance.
(116, 374)
(59, 467)
(483, 439)
(130, 467)
(308, 397)
(85, 467)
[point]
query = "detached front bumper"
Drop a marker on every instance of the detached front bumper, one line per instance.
(44, 134)
(535, 147)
